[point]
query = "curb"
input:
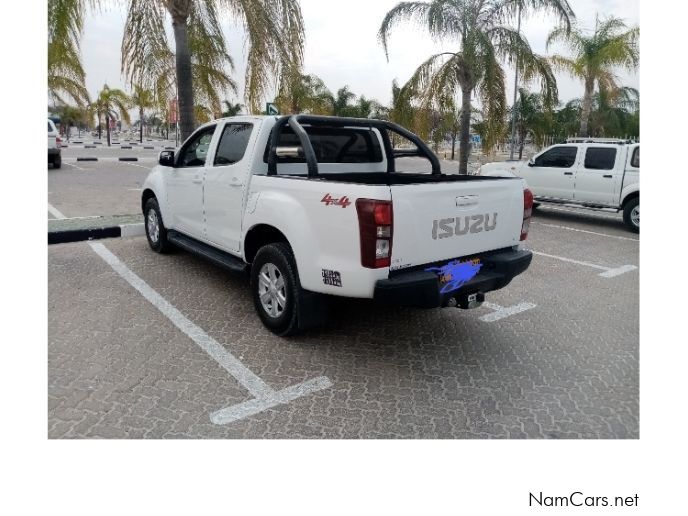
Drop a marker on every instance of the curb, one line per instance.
(128, 158)
(79, 235)
(82, 158)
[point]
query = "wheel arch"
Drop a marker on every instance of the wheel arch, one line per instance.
(260, 235)
(629, 197)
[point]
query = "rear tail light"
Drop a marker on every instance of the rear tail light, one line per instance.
(375, 224)
(58, 141)
(527, 212)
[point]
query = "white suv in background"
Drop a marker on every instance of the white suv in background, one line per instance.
(54, 142)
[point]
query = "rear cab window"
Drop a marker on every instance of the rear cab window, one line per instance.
(600, 158)
(333, 145)
(635, 158)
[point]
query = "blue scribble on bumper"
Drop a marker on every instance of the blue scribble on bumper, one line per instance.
(455, 273)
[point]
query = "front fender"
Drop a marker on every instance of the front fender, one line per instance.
(155, 181)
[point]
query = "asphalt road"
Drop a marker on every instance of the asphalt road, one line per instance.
(553, 355)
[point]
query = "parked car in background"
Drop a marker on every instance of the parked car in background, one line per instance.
(591, 173)
(54, 143)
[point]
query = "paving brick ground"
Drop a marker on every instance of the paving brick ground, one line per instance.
(567, 368)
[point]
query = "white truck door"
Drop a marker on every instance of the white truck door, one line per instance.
(225, 183)
(185, 184)
(599, 175)
(551, 174)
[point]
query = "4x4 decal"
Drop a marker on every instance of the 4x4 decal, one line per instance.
(342, 201)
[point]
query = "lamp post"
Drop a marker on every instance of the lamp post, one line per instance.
(513, 106)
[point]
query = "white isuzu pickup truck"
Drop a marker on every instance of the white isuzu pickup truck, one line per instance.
(590, 174)
(316, 206)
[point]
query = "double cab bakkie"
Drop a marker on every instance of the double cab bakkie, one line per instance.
(595, 174)
(314, 206)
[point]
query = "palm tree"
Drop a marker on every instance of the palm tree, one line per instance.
(142, 99)
(275, 39)
(475, 66)
(595, 56)
(341, 102)
(66, 76)
(231, 109)
(107, 104)
(533, 118)
(302, 93)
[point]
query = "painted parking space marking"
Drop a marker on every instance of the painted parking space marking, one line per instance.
(607, 272)
(73, 165)
(500, 312)
(264, 396)
(55, 212)
(585, 231)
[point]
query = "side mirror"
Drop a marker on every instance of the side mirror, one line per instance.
(531, 162)
(166, 158)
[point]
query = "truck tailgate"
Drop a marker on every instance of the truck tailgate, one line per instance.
(440, 221)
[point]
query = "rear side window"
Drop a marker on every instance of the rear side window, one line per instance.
(558, 157)
(50, 129)
(635, 159)
(333, 145)
(233, 143)
(600, 158)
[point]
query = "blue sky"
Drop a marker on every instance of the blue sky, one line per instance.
(342, 48)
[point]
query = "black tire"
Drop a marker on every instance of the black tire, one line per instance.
(536, 205)
(161, 244)
(631, 214)
(57, 163)
(280, 256)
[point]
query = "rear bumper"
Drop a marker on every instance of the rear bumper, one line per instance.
(422, 289)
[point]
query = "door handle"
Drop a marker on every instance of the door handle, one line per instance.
(607, 176)
(568, 173)
(235, 182)
(197, 181)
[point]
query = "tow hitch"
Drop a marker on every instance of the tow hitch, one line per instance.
(469, 301)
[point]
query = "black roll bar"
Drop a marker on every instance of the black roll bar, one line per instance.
(383, 126)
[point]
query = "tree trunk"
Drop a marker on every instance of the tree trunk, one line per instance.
(184, 77)
(141, 125)
(107, 127)
(100, 126)
(453, 137)
(465, 129)
(586, 107)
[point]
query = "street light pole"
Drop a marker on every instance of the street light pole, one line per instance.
(513, 106)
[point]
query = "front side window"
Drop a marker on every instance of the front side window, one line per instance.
(600, 158)
(635, 159)
(558, 157)
(195, 151)
(233, 143)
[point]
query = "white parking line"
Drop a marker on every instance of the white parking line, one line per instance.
(135, 165)
(55, 212)
(265, 396)
(500, 312)
(609, 272)
(585, 231)
(73, 165)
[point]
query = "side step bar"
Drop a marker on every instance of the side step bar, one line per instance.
(216, 256)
